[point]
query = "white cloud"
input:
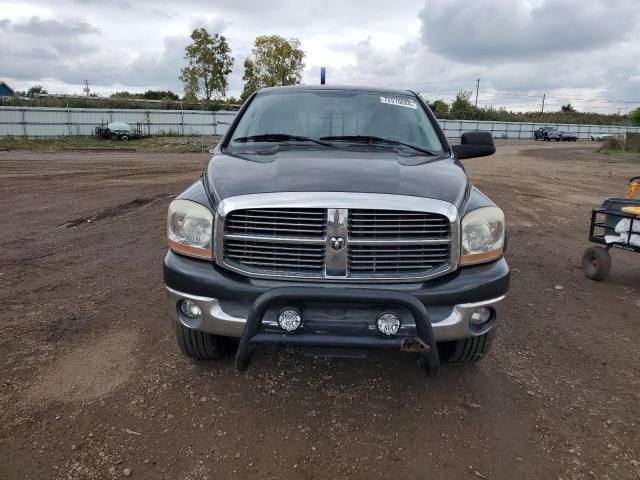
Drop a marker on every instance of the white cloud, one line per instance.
(497, 30)
(574, 51)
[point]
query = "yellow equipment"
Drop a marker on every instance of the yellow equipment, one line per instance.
(634, 186)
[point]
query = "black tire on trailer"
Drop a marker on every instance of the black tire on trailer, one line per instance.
(199, 345)
(596, 263)
(468, 350)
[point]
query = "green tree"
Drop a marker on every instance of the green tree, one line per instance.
(208, 64)
(274, 60)
(461, 108)
(160, 95)
(568, 108)
(440, 108)
(634, 116)
(36, 90)
(123, 94)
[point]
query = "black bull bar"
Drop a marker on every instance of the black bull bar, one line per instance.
(252, 335)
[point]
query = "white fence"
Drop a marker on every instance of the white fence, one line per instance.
(57, 122)
(522, 130)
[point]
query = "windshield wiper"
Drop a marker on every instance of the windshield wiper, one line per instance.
(280, 137)
(371, 139)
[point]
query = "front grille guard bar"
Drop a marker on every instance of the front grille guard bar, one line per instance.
(252, 334)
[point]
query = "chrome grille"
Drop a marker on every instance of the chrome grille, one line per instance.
(296, 222)
(400, 259)
(272, 256)
(276, 235)
(396, 224)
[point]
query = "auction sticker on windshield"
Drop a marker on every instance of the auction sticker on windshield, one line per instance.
(399, 102)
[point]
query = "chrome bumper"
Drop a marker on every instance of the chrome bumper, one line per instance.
(448, 323)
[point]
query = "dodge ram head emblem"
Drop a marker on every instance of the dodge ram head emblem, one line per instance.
(337, 243)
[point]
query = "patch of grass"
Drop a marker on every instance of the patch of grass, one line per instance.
(621, 154)
(150, 144)
(627, 147)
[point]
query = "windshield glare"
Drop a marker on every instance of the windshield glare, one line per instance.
(334, 113)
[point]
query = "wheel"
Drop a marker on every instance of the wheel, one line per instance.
(596, 263)
(199, 345)
(466, 351)
(558, 139)
(124, 138)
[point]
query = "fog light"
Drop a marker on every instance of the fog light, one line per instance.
(190, 309)
(480, 316)
(289, 319)
(388, 323)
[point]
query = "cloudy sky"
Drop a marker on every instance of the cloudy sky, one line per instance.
(580, 51)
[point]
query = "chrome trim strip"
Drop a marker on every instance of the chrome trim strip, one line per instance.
(335, 261)
(264, 238)
(480, 304)
(407, 241)
(337, 201)
(382, 201)
(213, 316)
(456, 325)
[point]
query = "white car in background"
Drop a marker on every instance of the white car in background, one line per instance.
(599, 136)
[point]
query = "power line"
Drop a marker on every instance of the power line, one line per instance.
(592, 100)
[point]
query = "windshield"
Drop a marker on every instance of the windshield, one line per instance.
(337, 117)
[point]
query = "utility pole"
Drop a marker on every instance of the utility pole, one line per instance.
(86, 87)
(477, 88)
(544, 95)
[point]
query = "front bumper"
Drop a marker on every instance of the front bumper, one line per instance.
(226, 300)
(448, 323)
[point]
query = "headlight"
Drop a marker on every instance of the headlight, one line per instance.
(190, 229)
(482, 236)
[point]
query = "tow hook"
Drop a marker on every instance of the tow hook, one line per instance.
(413, 345)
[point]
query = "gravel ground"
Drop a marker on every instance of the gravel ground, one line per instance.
(92, 384)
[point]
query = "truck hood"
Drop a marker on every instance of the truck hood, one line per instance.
(328, 170)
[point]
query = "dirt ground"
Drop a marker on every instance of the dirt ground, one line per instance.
(92, 384)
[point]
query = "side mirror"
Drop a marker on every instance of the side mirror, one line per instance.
(474, 144)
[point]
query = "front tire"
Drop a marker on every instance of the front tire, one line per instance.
(199, 345)
(468, 350)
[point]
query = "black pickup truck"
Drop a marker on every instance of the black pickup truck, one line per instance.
(337, 218)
